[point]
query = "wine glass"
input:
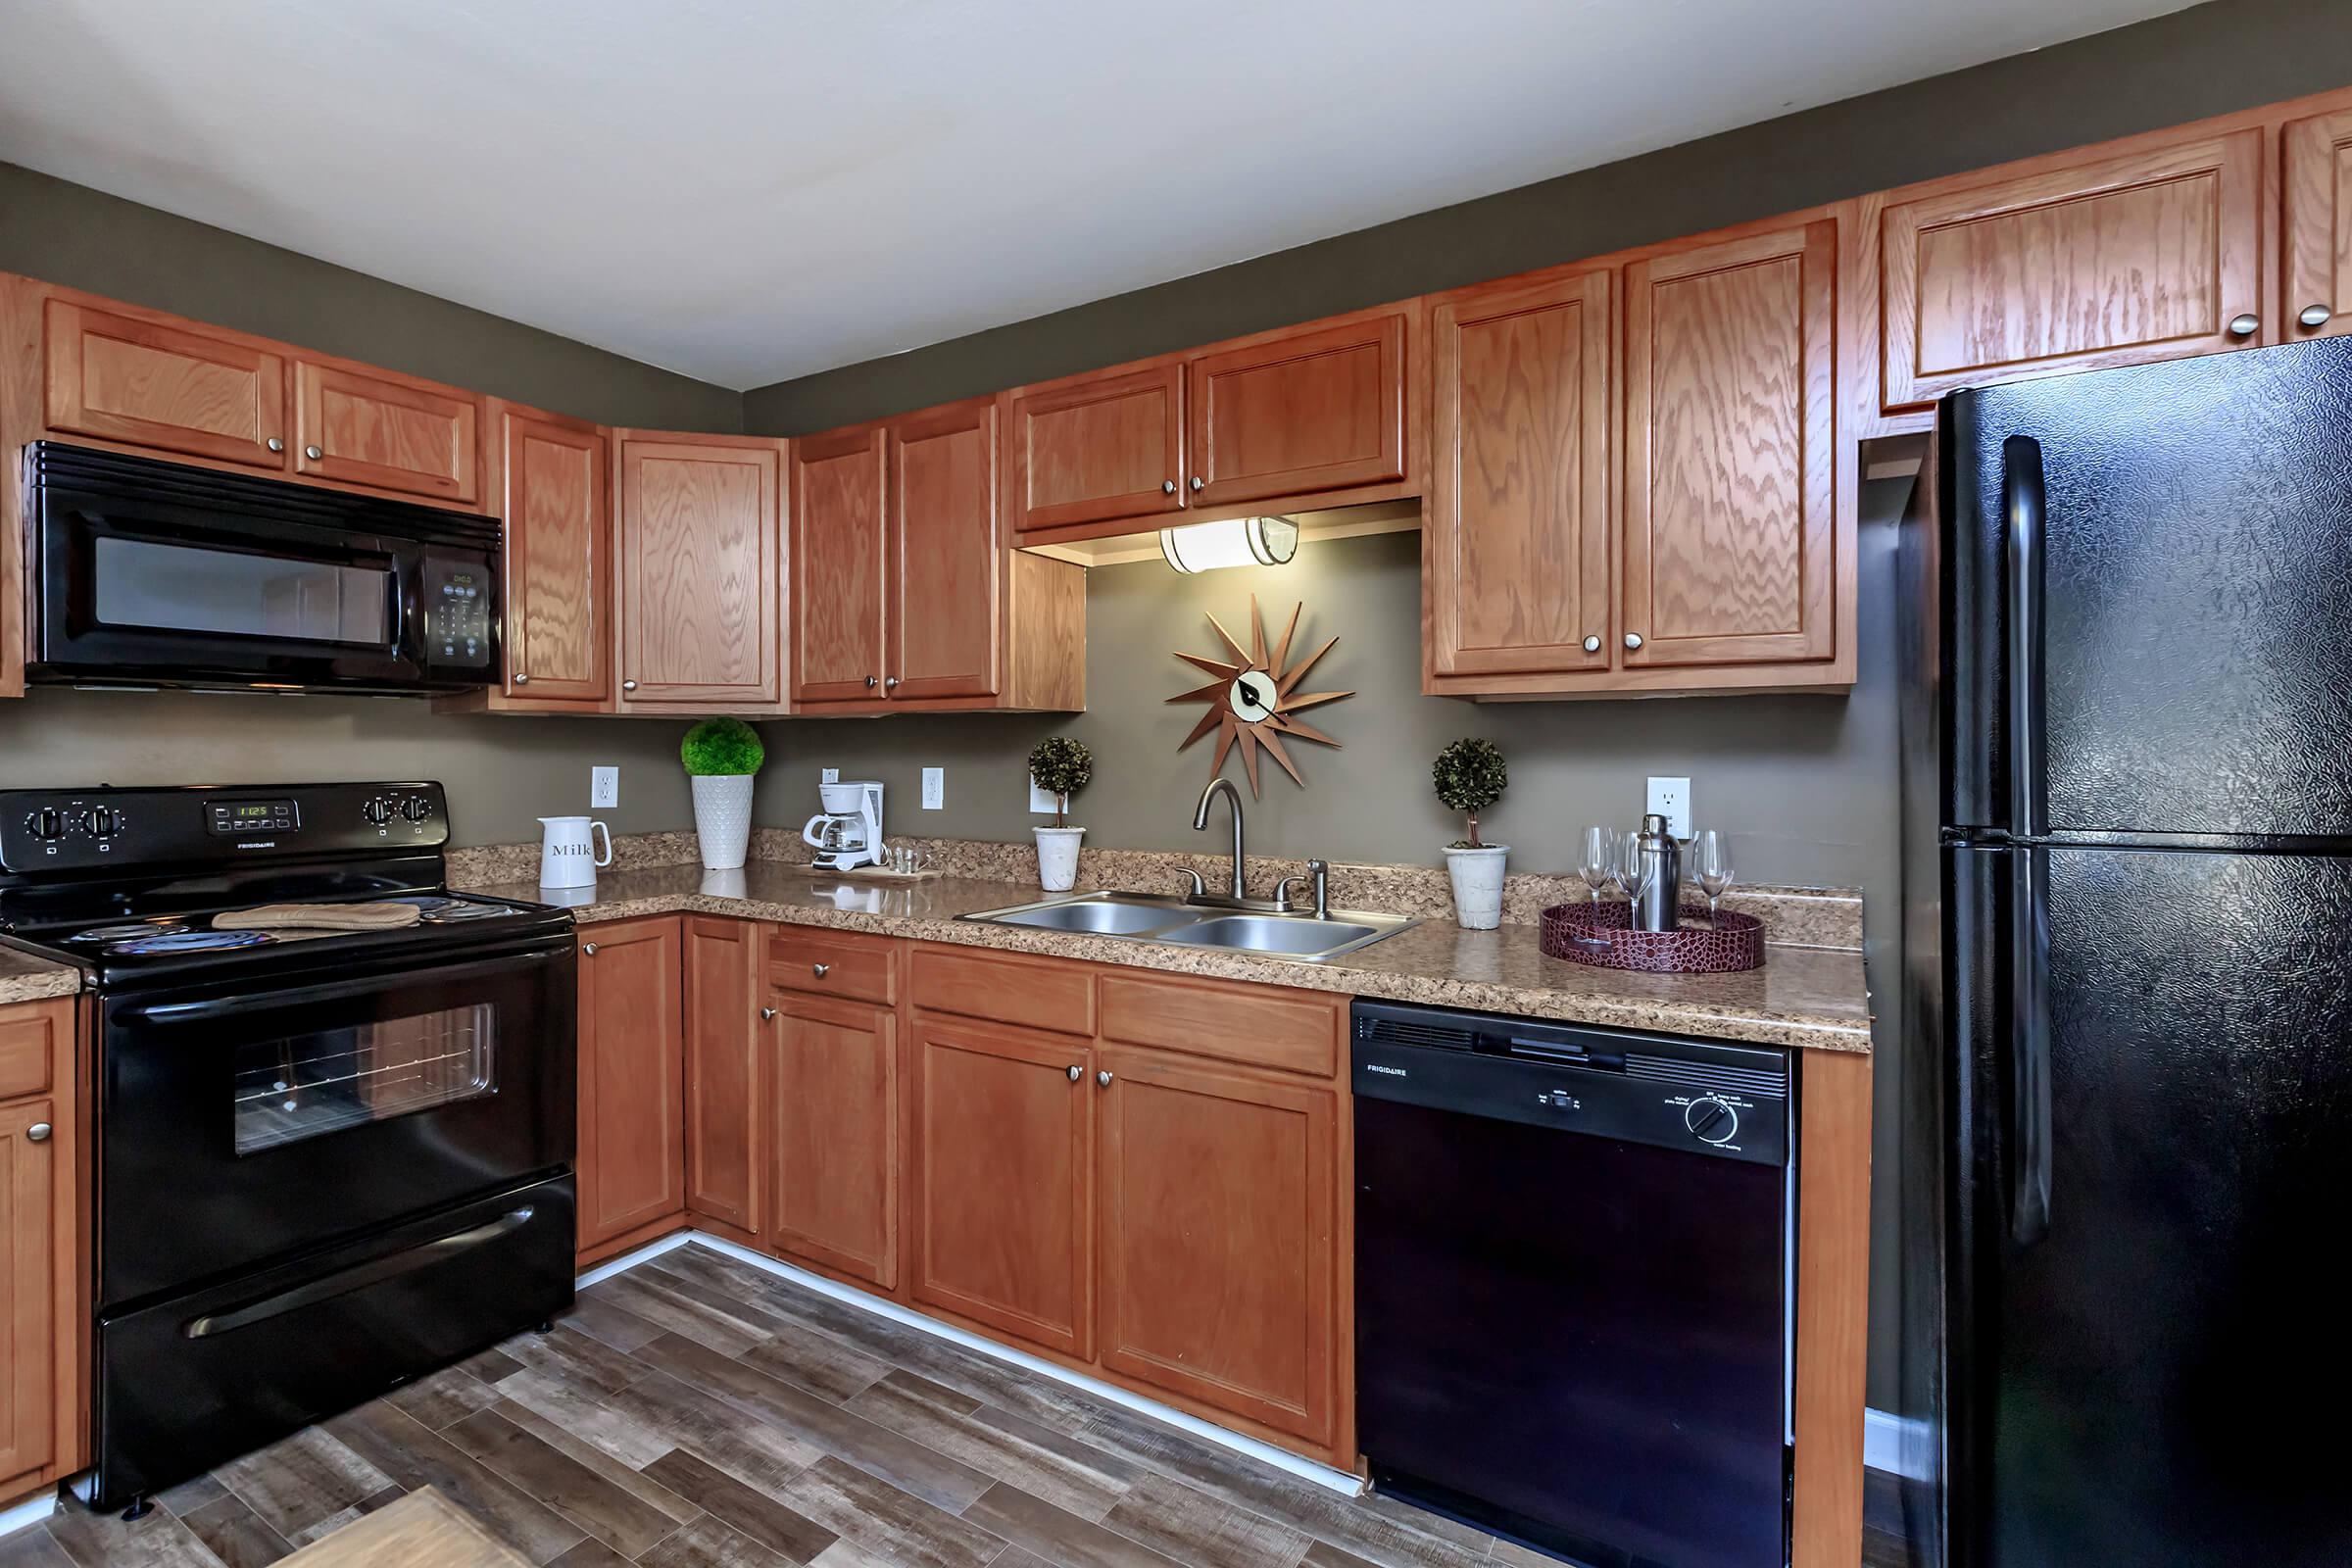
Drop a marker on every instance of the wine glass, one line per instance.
(1633, 871)
(1712, 865)
(1596, 861)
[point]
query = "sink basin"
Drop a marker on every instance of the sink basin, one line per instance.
(1289, 935)
(1098, 916)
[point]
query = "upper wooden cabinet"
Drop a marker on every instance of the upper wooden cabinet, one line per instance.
(2316, 236)
(632, 1128)
(944, 588)
(1515, 542)
(838, 546)
(1730, 552)
(2072, 263)
(1091, 447)
(175, 386)
(699, 546)
(555, 476)
(1299, 413)
(387, 432)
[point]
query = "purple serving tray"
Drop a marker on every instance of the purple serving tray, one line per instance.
(1602, 934)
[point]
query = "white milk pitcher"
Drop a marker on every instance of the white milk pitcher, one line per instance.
(567, 856)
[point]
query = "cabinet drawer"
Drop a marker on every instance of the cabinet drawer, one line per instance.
(1009, 987)
(834, 963)
(1263, 1026)
(32, 1040)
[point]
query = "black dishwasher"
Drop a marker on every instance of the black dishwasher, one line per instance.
(1572, 1253)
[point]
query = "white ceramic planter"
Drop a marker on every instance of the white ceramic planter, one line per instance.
(1477, 885)
(722, 818)
(1058, 856)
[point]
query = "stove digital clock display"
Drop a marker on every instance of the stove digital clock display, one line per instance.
(252, 816)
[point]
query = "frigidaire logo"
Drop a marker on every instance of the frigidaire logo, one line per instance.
(257, 844)
(1394, 1072)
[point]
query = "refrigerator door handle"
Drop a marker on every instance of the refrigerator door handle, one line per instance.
(2029, 1131)
(2025, 505)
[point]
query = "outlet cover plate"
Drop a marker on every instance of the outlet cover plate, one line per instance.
(828, 775)
(1670, 798)
(604, 787)
(935, 788)
(1040, 798)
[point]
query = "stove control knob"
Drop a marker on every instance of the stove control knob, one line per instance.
(377, 810)
(416, 808)
(48, 824)
(104, 822)
(1711, 1119)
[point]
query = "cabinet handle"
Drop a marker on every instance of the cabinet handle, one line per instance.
(1076, 1072)
(312, 453)
(2314, 317)
(766, 1014)
(1103, 1078)
(1168, 487)
(869, 683)
(520, 679)
(2245, 326)
(628, 685)
(276, 445)
(37, 1133)
(1592, 645)
(890, 685)
(588, 950)
(821, 970)
(1200, 483)
(1632, 639)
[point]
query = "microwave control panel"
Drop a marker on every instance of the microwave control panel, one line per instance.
(461, 610)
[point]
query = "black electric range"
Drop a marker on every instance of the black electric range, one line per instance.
(329, 1161)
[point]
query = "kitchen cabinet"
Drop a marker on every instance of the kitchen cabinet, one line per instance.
(550, 479)
(1096, 447)
(1001, 1187)
(1219, 1237)
(169, 386)
(41, 1309)
(632, 1128)
(699, 546)
(2316, 231)
(1729, 554)
(832, 1122)
(2072, 262)
(839, 486)
(1297, 413)
(387, 432)
(943, 586)
(1516, 547)
(724, 1150)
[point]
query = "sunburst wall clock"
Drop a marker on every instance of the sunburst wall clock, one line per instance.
(1255, 700)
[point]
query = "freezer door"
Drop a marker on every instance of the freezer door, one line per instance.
(2180, 573)
(2152, 1078)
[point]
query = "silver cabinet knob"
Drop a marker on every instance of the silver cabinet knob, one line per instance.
(588, 950)
(277, 445)
(1200, 483)
(520, 679)
(1076, 1072)
(821, 970)
(890, 685)
(628, 685)
(1632, 639)
(1103, 1078)
(766, 1014)
(1168, 487)
(38, 1132)
(312, 453)
(1592, 645)
(2245, 326)
(869, 683)
(2314, 317)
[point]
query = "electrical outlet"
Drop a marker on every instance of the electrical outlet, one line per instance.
(1041, 800)
(935, 788)
(1670, 798)
(828, 775)
(604, 787)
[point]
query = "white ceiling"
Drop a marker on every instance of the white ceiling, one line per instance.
(747, 191)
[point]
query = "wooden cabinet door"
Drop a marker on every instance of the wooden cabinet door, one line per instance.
(1517, 545)
(833, 1124)
(176, 388)
(944, 554)
(31, 1187)
(1730, 496)
(698, 542)
(1219, 1237)
(632, 1134)
(839, 489)
(2149, 256)
(1094, 448)
(1000, 1209)
(724, 1121)
(1321, 409)
(558, 553)
(2317, 238)
(387, 432)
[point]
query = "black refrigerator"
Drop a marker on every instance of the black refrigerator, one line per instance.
(2129, 877)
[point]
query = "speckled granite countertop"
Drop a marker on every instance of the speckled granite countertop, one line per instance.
(1808, 997)
(25, 978)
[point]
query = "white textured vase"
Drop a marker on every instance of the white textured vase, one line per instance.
(1058, 856)
(722, 818)
(1477, 885)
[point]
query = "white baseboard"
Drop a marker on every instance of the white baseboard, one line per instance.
(31, 1511)
(1899, 1445)
(1322, 1475)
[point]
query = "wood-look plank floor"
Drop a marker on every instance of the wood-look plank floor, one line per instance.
(697, 1412)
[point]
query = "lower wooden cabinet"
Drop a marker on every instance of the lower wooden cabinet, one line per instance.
(41, 1306)
(724, 1119)
(1003, 1126)
(633, 1130)
(831, 1125)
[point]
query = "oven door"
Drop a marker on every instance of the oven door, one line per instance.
(244, 1126)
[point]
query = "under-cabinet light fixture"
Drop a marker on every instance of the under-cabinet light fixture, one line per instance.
(1231, 542)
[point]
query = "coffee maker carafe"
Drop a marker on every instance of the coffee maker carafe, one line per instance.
(848, 832)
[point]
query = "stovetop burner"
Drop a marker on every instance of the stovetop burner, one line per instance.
(182, 942)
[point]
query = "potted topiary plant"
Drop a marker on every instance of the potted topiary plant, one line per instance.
(720, 755)
(1470, 776)
(1061, 766)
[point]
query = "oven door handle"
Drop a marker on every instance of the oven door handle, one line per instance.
(338, 990)
(357, 1277)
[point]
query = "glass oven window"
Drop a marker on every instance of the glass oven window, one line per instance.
(175, 587)
(308, 1085)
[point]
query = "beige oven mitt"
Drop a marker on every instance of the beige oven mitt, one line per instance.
(320, 918)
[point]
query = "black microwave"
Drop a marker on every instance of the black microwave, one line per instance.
(148, 573)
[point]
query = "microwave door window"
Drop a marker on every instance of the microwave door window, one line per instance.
(190, 588)
(310, 1084)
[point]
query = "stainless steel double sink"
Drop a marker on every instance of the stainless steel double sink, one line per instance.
(1157, 918)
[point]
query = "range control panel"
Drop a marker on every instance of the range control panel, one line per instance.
(67, 831)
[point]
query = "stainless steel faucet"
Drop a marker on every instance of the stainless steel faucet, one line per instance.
(1222, 785)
